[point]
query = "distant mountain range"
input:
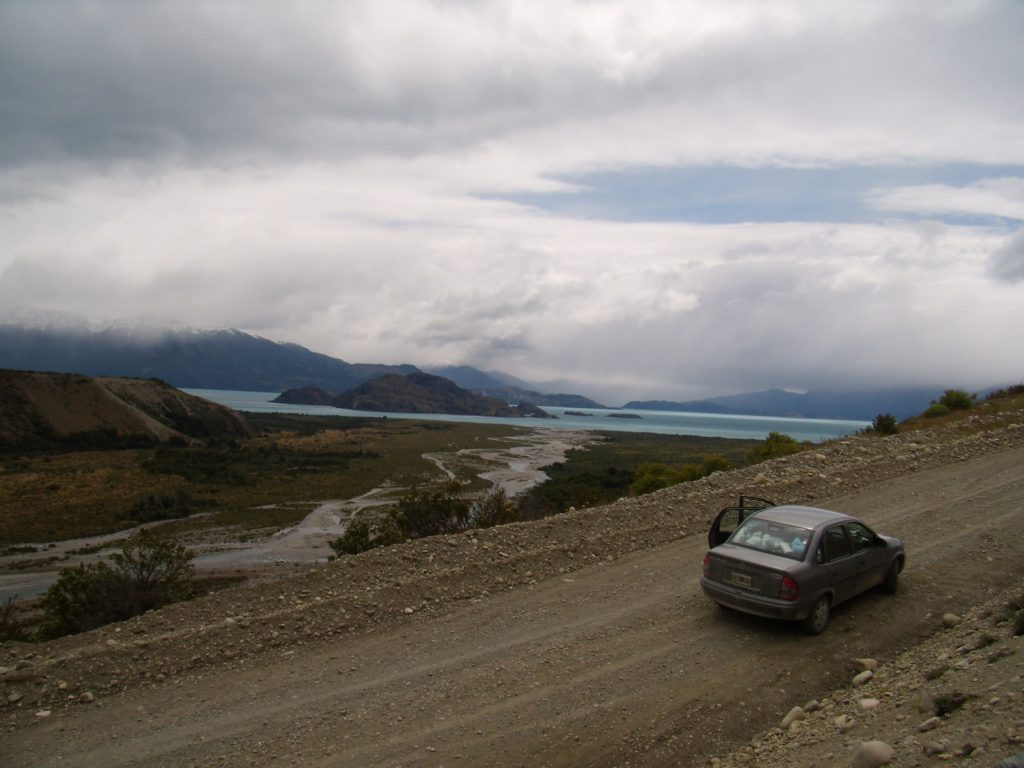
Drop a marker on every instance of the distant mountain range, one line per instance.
(858, 406)
(233, 359)
(412, 393)
(222, 359)
(216, 359)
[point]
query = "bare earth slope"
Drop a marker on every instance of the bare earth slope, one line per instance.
(36, 407)
(576, 641)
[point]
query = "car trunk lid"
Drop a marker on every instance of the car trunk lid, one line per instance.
(752, 571)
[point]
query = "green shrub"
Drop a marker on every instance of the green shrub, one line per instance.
(957, 399)
(429, 513)
(148, 572)
(935, 410)
(652, 476)
(415, 515)
(884, 424)
(495, 508)
(775, 446)
(10, 625)
(364, 535)
(999, 394)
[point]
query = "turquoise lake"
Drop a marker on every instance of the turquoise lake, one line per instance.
(660, 422)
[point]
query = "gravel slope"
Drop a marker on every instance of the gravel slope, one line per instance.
(581, 640)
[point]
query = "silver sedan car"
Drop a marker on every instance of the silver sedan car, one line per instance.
(794, 562)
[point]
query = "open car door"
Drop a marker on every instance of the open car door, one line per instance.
(729, 519)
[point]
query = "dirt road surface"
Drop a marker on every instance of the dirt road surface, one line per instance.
(582, 641)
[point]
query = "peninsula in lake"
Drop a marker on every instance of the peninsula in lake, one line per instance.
(412, 393)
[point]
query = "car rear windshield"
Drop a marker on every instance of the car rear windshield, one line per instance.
(774, 538)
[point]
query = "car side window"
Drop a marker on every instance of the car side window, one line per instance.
(729, 521)
(860, 536)
(836, 543)
(819, 553)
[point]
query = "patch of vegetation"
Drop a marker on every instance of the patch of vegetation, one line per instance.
(164, 506)
(775, 446)
(957, 399)
(608, 470)
(652, 476)
(951, 400)
(575, 484)
(495, 508)
(949, 702)
(1017, 390)
(884, 424)
(417, 514)
(363, 535)
(421, 513)
(11, 626)
(1001, 408)
(431, 513)
(149, 572)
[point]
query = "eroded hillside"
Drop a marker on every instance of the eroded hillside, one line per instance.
(42, 409)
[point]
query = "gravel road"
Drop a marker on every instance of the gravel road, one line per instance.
(581, 640)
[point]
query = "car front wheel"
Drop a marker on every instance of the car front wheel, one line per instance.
(892, 578)
(816, 620)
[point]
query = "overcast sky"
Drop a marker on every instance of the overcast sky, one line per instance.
(650, 199)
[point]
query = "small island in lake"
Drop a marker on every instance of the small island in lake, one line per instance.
(624, 416)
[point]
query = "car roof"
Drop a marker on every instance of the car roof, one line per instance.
(801, 517)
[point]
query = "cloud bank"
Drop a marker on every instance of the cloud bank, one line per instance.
(484, 183)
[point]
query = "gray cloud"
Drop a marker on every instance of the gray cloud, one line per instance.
(1007, 262)
(109, 81)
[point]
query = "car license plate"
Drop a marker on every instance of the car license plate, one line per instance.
(741, 579)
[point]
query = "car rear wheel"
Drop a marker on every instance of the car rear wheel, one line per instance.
(892, 578)
(817, 619)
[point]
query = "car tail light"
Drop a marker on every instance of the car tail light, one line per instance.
(707, 566)
(790, 589)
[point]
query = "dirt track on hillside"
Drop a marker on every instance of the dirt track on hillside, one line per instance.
(576, 656)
